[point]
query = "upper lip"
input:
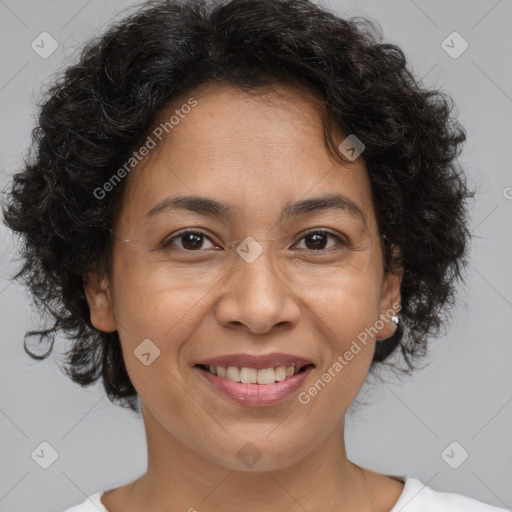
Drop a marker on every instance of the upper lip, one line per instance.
(259, 362)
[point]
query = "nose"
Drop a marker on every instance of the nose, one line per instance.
(255, 297)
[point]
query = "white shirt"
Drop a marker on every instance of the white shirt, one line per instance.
(415, 497)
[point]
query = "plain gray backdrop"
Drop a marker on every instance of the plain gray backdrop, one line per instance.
(464, 395)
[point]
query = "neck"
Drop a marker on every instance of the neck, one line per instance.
(178, 475)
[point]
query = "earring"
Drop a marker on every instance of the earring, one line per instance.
(395, 320)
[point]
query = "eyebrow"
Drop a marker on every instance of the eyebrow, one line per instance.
(212, 208)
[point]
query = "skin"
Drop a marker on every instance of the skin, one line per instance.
(254, 153)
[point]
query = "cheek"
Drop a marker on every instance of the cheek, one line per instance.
(344, 307)
(344, 318)
(344, 314)
(155, 316)
(152, 302)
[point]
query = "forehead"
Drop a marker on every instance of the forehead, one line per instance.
(249, 151)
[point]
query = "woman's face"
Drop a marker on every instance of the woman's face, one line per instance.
(255, 283)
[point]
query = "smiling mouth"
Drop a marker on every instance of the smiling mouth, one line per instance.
(246, 375)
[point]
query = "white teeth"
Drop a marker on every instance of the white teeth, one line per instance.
(233, 373)
(252, 375)
(280, 373)
(266, 376)
(248, 375)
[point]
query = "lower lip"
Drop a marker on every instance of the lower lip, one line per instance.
(256, 394)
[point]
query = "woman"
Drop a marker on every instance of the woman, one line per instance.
(237, 212)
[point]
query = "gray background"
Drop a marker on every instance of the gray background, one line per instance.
(464, 395)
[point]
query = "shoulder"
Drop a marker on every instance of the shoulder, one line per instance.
(417, 497)
(91, 504)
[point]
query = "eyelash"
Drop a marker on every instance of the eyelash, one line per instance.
(167, 244)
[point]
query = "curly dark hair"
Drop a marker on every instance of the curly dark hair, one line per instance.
(94, 115)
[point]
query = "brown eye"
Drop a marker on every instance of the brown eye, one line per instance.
(317, 240)
(190, 241)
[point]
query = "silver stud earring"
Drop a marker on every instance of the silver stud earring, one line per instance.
(395, 320)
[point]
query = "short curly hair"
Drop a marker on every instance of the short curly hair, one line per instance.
(96, 113)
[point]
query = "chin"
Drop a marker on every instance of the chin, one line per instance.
(257, 455)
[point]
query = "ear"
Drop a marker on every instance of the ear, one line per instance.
(99, 299)
(390, 300)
